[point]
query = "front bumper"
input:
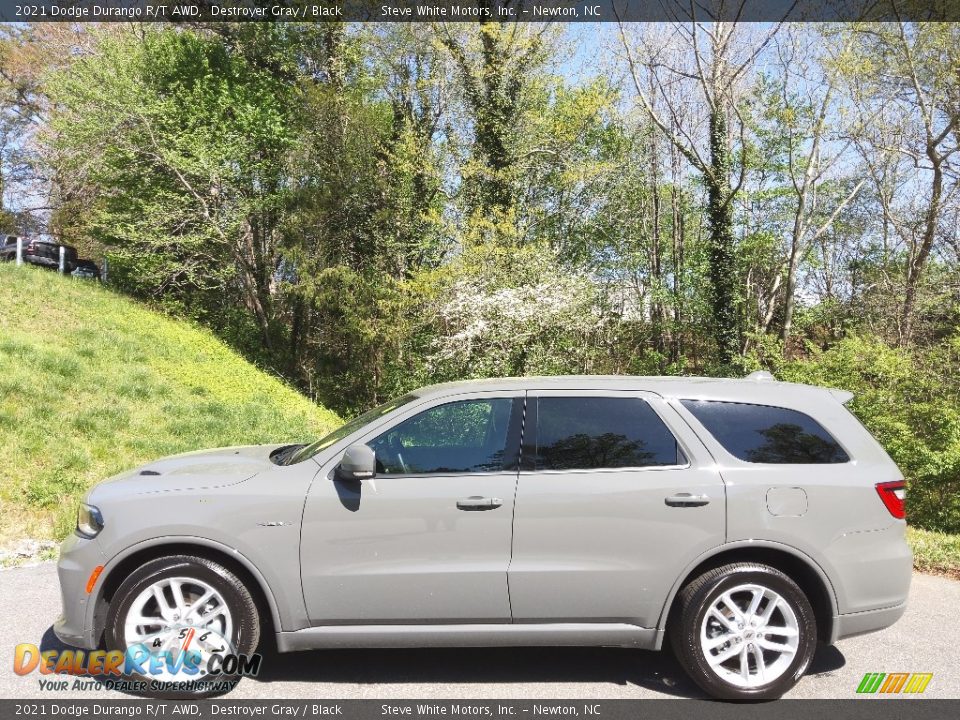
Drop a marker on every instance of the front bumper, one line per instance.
(78, 558)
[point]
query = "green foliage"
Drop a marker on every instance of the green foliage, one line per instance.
(911, 403)
(935, 552)
(94, 384)
(180, 140)
(359, 351)
(182, 125)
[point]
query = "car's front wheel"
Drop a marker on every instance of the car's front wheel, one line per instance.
(744, 631)
(175, 613)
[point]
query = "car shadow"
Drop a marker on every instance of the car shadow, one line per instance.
(827, 659)
(657, 671)
(50, 641)
(490, 666)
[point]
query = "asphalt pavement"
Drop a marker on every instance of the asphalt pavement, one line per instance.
(926, 639)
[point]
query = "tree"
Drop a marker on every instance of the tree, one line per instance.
(184, 141)
(496, 64)
(805, 114)
(717, 60)
(416, 76)
(905, 77)
(27, 54)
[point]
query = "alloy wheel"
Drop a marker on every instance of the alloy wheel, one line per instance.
(176, 615)
(749, 635)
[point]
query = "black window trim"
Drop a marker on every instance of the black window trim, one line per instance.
(849, 461)
(528, 448)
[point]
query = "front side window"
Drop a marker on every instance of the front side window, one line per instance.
(459, 437)
(765, 434)
(587, 433)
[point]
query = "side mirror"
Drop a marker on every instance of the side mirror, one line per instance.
(359, 463)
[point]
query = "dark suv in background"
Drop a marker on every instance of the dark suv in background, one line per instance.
(46, 253)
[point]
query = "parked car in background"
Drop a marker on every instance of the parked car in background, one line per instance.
(8, 251)
(86, 269)
(45, 253)
(745, 520)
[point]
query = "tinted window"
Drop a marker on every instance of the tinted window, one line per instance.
(585, 433)
(764, 434)
(468, 436)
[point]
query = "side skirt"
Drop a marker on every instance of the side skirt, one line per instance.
(479, 635)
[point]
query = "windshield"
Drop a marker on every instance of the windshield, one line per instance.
(308, 451)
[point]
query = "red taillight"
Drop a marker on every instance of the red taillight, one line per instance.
(893, 495)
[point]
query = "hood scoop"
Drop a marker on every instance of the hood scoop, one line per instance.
(282, 454)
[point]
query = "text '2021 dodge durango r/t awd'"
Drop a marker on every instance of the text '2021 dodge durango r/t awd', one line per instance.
(742, 521)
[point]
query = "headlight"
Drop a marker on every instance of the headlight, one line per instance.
(89, 521)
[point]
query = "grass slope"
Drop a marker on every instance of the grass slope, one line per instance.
(92, 383)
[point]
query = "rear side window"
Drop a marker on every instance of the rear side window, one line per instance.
(765, 434)
(588, 433)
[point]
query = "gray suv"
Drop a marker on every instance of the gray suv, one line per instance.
(740, 521)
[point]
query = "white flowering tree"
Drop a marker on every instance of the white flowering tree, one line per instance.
(497, 322)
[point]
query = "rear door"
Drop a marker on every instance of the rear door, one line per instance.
(612, 503)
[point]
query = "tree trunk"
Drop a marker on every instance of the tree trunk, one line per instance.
(679, 227)
(495, 114)
(918, 259)
(796, 238)
(257, 295)
(789, 294)
(656, 270)
(721, 241)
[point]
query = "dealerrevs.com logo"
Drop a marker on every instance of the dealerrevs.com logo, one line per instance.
(188, 660)
(894, 683)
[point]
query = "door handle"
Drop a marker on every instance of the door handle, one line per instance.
(476, 502)
(686, 500)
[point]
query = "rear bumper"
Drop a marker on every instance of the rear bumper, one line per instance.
(870, 570)
(861, 623)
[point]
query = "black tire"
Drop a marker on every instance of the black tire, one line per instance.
(243, 608)
(696, 599)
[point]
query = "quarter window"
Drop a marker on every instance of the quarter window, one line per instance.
(765, 434)
(587, 433)
(459, 437)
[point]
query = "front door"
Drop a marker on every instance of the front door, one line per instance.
(428, 539)
(612, 504)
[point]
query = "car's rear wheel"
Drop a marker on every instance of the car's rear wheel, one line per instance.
(744, 631)
(182, 610)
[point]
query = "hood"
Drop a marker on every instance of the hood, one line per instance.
(192, 470)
